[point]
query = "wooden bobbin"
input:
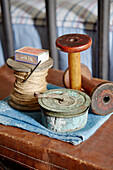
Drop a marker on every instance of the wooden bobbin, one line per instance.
(84, 72)
(101, 93)
(74, 44)
(27, 102)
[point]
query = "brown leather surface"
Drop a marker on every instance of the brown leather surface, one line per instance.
(41, 152)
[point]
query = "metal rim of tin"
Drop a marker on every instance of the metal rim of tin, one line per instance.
(78, 103)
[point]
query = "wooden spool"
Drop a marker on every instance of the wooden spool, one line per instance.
(74, 44)
(84, 72)
(101, 95)
(100, 91)
(27, 103)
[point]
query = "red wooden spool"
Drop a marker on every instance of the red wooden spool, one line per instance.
(74, 44)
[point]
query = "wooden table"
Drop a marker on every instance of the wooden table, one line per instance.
(40, 152)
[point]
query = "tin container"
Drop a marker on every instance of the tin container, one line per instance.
(64, 109)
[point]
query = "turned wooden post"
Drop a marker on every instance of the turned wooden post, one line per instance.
(84, 72)
(74, 44)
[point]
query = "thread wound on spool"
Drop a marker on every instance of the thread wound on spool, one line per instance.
(23, 94)
(22, 97)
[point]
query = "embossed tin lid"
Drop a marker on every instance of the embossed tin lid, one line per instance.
(68, 103)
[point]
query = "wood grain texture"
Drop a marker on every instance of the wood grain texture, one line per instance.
(7, 80)
(74, 70)
(73, 43)
(84, 72)
(40, 152)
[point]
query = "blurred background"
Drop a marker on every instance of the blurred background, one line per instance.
(38, 23)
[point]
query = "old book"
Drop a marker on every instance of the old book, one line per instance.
(31, 55)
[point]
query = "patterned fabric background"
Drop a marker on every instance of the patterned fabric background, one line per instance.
(70, 13)
(73, 16)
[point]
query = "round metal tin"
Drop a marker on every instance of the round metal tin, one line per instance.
(69, 114)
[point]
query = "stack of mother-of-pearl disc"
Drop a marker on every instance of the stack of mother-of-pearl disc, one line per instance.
(22, 97)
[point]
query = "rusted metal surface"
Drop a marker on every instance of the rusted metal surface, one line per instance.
(66, 110)
(62, 97)
(102, 98)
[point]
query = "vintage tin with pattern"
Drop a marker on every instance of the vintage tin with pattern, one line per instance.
(64, 109)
